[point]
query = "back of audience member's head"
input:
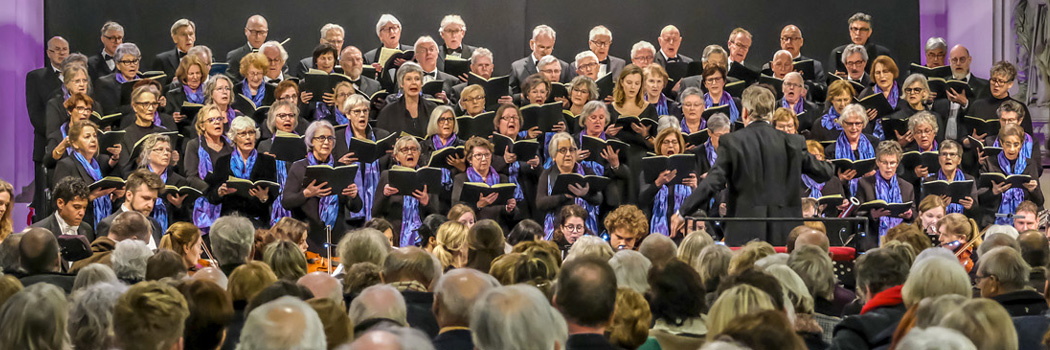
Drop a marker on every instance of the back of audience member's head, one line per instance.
(516, 317)
(486, 243)
(9, 286)
(758, 279)
(338, 329)
(901, 250)
(764, 330)
(911, 235)
(35, 318)
(793, 236)
(525, 230)
(384, 226)
(586, 293)
(504, 267)
(539, 270)
(363, 245)
(879, 269)
(931, 311)
(659, 249)
(231, 240)
(542, 249)
(211, 311)
(1007, 230)
(286, 260)
(393, 337)
(38, 251)
(149, 316)
(165, 263)
(284, 323)
(213, 274)
(629, 328)
(278, 289)
(407, 264)
(589, 245)
(770, 260)
(360, 276)
(130, 225)
(249, 279)
(93, 273)
(934, 277)
(323, 286)
(692, 245)
(794, 287)
(260, 240)
(985, 322)
(738, 300)
(713, 265)
(816, 270)
(91, 315)
(746, 257)
(935, 338)
(677, 294)
(995, 240)
(450, 246)
(380, 301)
(632, 270)
(129, 260)
(455, 293)
(1009, 271)
(810, 236)
(1035, 250)
(9, 256)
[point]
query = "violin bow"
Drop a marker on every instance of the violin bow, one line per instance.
(207, 252)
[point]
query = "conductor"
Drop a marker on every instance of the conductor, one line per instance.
(762, 167)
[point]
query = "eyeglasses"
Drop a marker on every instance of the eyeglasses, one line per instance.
(161, 150)
(642, 58)
(853, 124)
(343, 95)
(947, 155)
(999, 82)
(551, 71)
(391, 29)
(474, 99)
(888, 162)
(917, 90)
(114, 37)
(147, 104)
(855, 63)
(284, 115)
(82, 109)
(958, 60)
(925, 132)
(741, 46)
(215, 119)
(601, 43)
(713, 80)
(588, 66)
(59, 50)
(790, 38)
(445, 120)
(792, 85)
(693, 105)
(509, 118)
(246, 133)
(356, 111)
(451, 31)
(254, 74)
(224, 88)
(574, 228)
(669, 142)
(859, 29)
(408, 150)
(569, 150)
(482, 156)
(323, 139)
(258, 32)
(130, 62)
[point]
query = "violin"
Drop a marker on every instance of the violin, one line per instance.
(316, 263)
(963, 252)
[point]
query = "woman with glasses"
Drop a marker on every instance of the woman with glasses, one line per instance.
(201, 154)
(594, 122)
(219, 92)
(410, 112)
(656, 79)
(472, 101)
(949, 157)
(662, 198)
(1002, 197)
(885, 185)
(144, 120)
(520, 171)
(405, 213)
(479, 153)
(87, 164)
(692, 110)
(1001, 80)
(569, 226)
(581, 90)
(59, 145)
(564, 153)
(75, 81)
(916, 93)
(356, 108)
(244, 163)
(884, 75)
(288, 90)
(332, 111)
(441, 133)
(715, 81)
(853, 144)
(282, 117)
(128, 59)
(827, 128)
(1012, 112)
(316, 203)
(156, 157)
(922, 128)
(253, 87)
(188, 87)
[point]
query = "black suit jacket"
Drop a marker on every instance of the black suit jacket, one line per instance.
(168, 62)
(459, 339)
(97, 67)
(372, 55)
(418, 314)
(524, 67)
(754, 163)
(658, 58)
(103, 227)
(234, 59)
(866, 193)
(41, 84)
(874, 50)
(979, 86)
(589, 342)
(259, 212)
(300, 68)
(369, 86)
(107, 93)
(308, 209)
(59, 280)
(467, 52)
(51, 224)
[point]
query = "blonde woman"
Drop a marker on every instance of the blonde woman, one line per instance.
(739, 300)
(185, 239)
(7, 196)
(452, 246)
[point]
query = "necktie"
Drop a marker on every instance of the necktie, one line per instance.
(107, 57)
(449, 51)
(180, 54)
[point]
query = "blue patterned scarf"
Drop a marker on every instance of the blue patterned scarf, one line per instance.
(65, 133)
(685, 126)
(710, 152)
(727, 99)
(277, 211)
(410, 221)
(257, 99)
(230, 115)
(102, 205)
(120, 77)
(1026, 148)
(830, 120)
(594, 166)
(953, 207)
(844, 151)
(798, 106)
(446, 174)
(816, 189)
(241, 168)
(1015, 195)
(592, 210)
(204, 212)
(367, 180)
(160, 210)
(895, 95)
(329, 205)
(194, 96)
(660, 223)
(891, 193)
(660, 104)
(156, 118)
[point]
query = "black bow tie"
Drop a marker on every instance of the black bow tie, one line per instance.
(107, 57)
(180, 54)
(674, 59)
(605, 62)
(431, 74)
(449, 51)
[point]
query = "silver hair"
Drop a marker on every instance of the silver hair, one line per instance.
(182, 23)
(916, 77)
(452, 19)
(713, 48)
(920, 118)
(432, 124)
(147, 147)
(231, 239)
(354, 100)
(936, 252)
(268, 327)
(330, 27)
(658, 248)
(935, 338)
(863, 17)
(545, 61)
(724, 344)
(668, 121)
(936, 42)
(590, 246)
(412, 261)
(385, 19)
(517, 317)
(129, 259)
(408, 67)
(816, 269)
(422, 40)
(593, 106)
(552, 145)
(852, 49)
(379, 301)
(793, 286)
(544, 29)
(239, 124)
(331, 288)
(275, 45)
(642, 45)
(91, 315)
(1001, 229)
(599, 30)
(308, 136)
(933, 277)
(713, 264)
(592, 87)
(583, 55)
(931, 311)
(853, 111)
(93, 274)
(364, 244)
(403, 141)
(795, 75)
(759, 102)
(35, 318)
(457, 291)
(632, 270)
(772, 260)
(271, 115)
(479, 53)
(111, 26)
(690, 91)
(1007, 266)
(213, 81)
(669, 28)
(718, 122)
(403, 337)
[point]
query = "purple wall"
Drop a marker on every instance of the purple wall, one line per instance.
(22, 32)
(966, 22)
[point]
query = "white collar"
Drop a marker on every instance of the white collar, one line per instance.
(63, 227)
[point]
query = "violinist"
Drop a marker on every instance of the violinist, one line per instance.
(184, 239)
(959, 234)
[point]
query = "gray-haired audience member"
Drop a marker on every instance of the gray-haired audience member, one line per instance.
(129, 260)
(659, 249)
(935, 338)
(212, 274)
(1002, 276)
(517, 317)
(378, 304)
(91, 315)
(632, 270)
(285, 323)
(92, 274)
(323, 286)
(363, 245)
(231, 241)
(35, 318)
(392, 338)
(454, 296)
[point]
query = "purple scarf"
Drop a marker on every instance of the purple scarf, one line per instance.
(685, 126)
(328, 208)
(101, 205)
(277, 211)
(891, 193)
(204, 212)
(241, 168)
(121, 79)
(1026, 148)
(446, 174)
(830, 120)
(1015, 195)
(844, 151)
(798, 106)
(367, 179)
(194, 96)
(816, 189)
(660, 223)
(953, 207)
(410, 221)
(160, 211)
(257, 99)
(727, 99)
(895, 96)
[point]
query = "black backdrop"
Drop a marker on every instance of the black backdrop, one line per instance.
(504, 26)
